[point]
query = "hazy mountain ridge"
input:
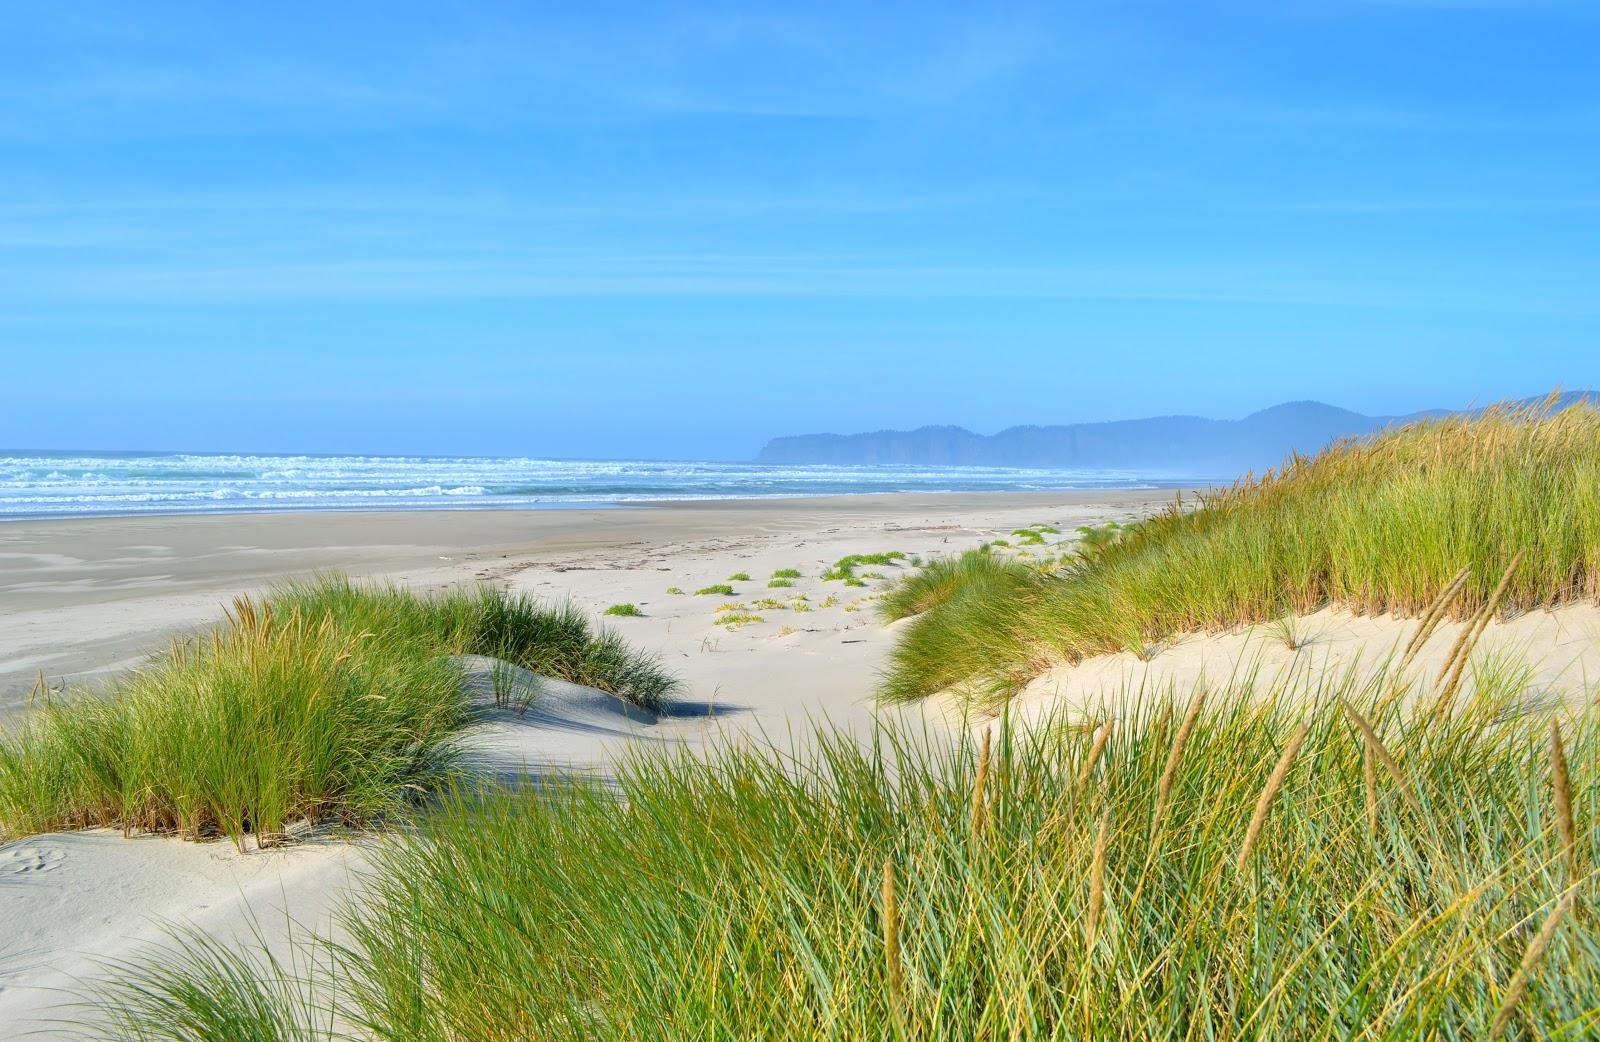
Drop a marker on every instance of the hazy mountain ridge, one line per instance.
(1189, 444)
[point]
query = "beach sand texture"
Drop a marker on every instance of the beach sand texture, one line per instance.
(85, 599)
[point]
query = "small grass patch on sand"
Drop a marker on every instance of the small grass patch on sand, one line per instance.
(625, 610)
(739, 577)
(779, 584)
(845, 567)
(717, 589)
(786, 573)
(736, 619)
(675, 591)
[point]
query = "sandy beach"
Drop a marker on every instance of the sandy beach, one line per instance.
(82, 600)
(79, 598)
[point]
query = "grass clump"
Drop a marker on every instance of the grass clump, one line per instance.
(786, 573)
(739, 577)
(845, 567)
(735, 619)
(769, 604)
(554, 640)
(322, 701)
(1094, 540)
(626, 610)
(1028, 536)
(1248, 867)
(972, 574)
(676, 591)
(1373, 525)
(719, 589)
(779, 584)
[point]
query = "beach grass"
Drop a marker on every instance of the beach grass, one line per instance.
(1371, 525)
(626, 610)
(322, 701)
(940, 579)
(845, 567)
(553, 639)
(739, 577)
(786, 573)
(717, 589)
(1252, 861)
(779, 584)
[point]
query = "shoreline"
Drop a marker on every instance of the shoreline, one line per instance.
(624, 503)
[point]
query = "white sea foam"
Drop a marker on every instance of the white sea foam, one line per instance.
(46, 484)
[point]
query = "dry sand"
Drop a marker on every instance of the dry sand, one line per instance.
(1555, 656)
(84, 599)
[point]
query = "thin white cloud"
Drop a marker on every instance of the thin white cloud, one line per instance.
(743, 276)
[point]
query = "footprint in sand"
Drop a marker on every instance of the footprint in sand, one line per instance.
(30, 860)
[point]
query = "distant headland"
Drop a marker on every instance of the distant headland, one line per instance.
(1192, 444)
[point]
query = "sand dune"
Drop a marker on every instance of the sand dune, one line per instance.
(84, 599)
(1557, 652)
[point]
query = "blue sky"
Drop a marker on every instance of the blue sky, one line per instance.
(676, 230)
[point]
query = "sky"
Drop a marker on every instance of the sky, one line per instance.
(674, 231)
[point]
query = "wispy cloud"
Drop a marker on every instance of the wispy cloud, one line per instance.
(728, 276)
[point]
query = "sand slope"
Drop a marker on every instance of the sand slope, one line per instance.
(1555, 656)
(84, 599)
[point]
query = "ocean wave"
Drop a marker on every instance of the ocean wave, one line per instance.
(46, 484)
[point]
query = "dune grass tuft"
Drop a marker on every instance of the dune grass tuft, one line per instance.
(779, 584)
(845, 567)
(626, 610)
(551, 639)
(322, 701)
(1230, 875)
(1373, 525)
(786, 573)
(717, 589)
(942, 578)
(739, 577)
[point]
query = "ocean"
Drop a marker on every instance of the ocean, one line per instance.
(79, 484)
